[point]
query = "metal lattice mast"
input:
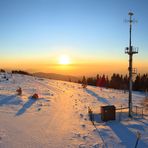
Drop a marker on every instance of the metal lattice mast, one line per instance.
(130, 51)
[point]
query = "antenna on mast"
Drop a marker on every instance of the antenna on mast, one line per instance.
(130, 51)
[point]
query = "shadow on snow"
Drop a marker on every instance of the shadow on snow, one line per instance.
(103, 100)
(26, 106)
(127, 137)
(123, 132)
(9, 100)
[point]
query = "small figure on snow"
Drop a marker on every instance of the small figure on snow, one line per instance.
(35, 96)
(90, 113)
(19, 91)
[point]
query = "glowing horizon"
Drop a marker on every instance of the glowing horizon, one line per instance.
(77, 69)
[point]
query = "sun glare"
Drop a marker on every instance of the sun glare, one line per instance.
(64, 60)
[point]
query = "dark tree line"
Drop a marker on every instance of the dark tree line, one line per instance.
(141, 82)
(20, 72)
(118, 81)
(2, 70)
(16, 72)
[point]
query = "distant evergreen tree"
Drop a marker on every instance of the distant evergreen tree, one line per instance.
(137, 85)
(144, 82)
(107, 82)
(84, 82)
(125, 83)
(113, 81)
(98, 80)
(102, 81)
(91, 81)
(147, 82)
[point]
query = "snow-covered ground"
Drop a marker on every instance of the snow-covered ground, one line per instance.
(59, 118)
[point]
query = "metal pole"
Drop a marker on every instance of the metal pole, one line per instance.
(130, 66)
(130, 51)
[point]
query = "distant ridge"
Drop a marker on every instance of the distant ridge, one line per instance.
(56, 76)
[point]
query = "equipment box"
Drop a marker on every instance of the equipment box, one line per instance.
(108, 113)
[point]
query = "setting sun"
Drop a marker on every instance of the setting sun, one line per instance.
(64, 60)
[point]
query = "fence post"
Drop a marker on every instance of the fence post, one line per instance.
(136, 110)
(120, 115)
(142, 112)
(146, 93)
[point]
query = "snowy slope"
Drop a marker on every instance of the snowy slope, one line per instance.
(59, 118)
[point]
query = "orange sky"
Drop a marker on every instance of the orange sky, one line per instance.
(77, 67)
